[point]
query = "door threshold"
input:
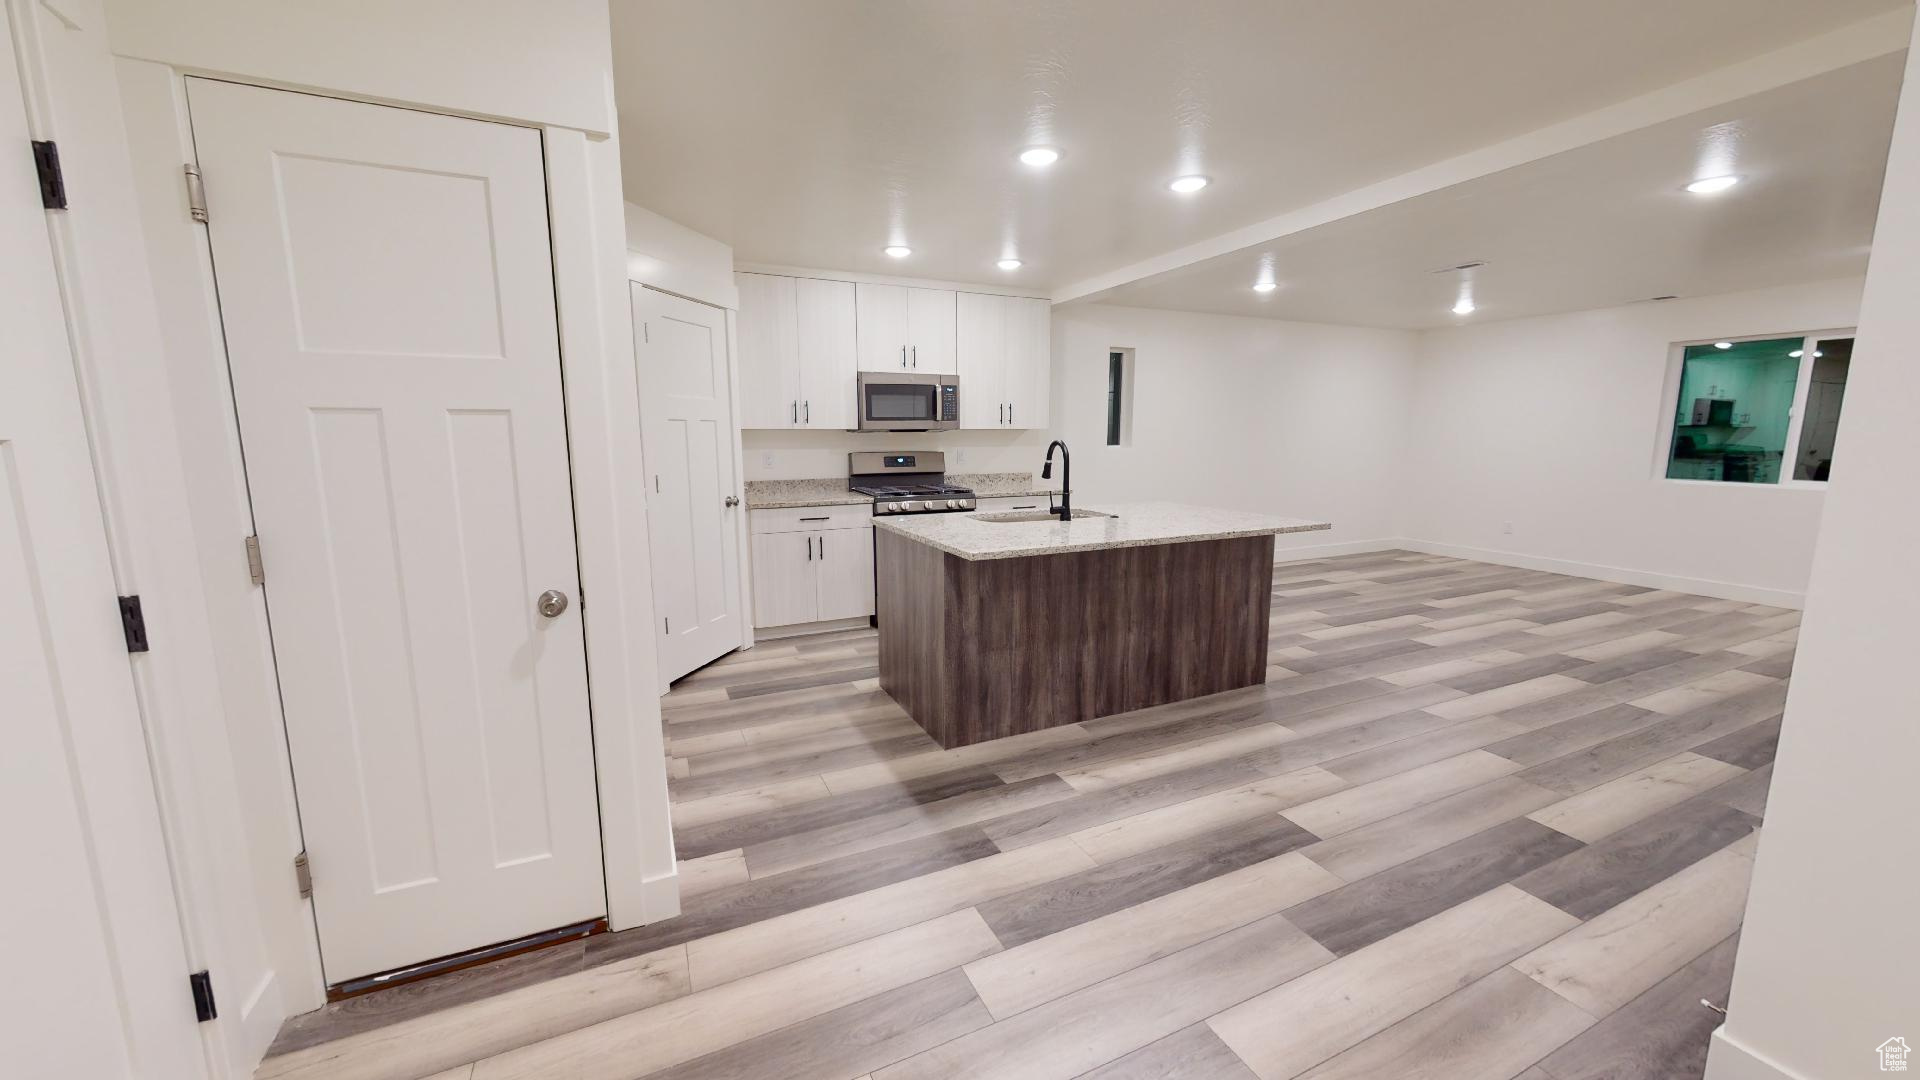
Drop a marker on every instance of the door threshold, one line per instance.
(412, 973)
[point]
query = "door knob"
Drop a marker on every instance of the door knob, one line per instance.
(552, 603)
(733, 500)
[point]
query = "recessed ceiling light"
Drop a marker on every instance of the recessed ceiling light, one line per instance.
(1723, 344)
(1464, 306)
(1265, 286)
(1008, 264)
(1039, 156)
(898, 251)
(1187, 185)
(1817, 352)
(1798, 353)
(1712, 185)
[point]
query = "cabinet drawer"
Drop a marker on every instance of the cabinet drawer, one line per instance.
(1000, 505)
(810, 518)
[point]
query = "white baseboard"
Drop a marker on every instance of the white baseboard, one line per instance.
(1730, 1059)
(1724, 590)
(774, 633)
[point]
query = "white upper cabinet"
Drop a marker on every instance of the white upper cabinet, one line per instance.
(1029, 362)
(1005, 354)
(930, 331)
(904, 328)
(828, 370)
(797, 359)
(769, 351)
(804, 341)
(982, 340)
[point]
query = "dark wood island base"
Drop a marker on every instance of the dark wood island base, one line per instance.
(982, 649)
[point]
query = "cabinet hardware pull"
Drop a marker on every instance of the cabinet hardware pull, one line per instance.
(813, 519)
(916, 358)
(796, 412)
(808, 406)
(903, 356)
(1003, 412)
(1009, 412)
(809, 549)
(823, 548)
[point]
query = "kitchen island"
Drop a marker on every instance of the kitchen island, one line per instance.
(997, 624)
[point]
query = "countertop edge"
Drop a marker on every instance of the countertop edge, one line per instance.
(1021, 553)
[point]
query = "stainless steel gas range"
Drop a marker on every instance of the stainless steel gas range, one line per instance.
(911, 482)
(907, 482)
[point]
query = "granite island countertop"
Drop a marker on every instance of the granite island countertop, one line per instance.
(1130, 525)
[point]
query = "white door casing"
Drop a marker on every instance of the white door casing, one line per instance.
(88, 909)
(686, 404)
(386, 289)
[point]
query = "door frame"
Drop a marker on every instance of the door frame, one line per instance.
(741, 536)
(586, 225)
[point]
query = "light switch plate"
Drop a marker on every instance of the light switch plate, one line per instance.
(766, 460)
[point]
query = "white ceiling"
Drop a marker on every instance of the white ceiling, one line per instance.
(1608, 223)
(813, 132)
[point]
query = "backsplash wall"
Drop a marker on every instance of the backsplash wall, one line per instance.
(807, 455)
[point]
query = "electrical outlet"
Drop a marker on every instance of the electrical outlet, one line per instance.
(766, 460)
(959, 455)
(1506, 527)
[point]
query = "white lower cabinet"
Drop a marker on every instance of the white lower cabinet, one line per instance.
(811, 571)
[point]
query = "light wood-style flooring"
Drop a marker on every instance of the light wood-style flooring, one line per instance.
(1481, 822)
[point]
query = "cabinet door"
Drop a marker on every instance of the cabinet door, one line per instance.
(844, 558)
(785, 579)
(930, 331)
(1029, 362)
(982, 342)
(768, 351)
(880, 315)
(827, 354)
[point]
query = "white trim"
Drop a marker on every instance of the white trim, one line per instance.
(775, 633)
(888, 279)
(1730, 1059)
(1724, 590)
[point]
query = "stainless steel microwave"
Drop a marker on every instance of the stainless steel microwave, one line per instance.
(890, 402)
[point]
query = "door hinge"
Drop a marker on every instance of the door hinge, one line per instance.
(303, 875)
(202, 983)
(133, 623)
(196, 193)
(256, 569)
(53, 184)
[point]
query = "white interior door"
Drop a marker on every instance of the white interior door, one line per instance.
(387, 294)
(88, 918)
(693, 514)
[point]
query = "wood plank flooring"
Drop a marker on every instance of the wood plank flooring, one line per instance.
(1479, 822)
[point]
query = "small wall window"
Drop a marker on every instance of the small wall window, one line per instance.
(1119, 397)
(1741, 404)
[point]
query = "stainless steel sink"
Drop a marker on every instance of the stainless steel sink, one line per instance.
(1014, 516)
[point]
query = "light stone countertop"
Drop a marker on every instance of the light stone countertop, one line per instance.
(1132, 525)
(776, 494)
(832, 490)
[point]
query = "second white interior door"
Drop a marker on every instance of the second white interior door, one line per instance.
(386, 288)
(694, 510)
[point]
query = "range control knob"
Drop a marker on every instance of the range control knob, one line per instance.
(909, 506)
(953, 504)
(965, 504)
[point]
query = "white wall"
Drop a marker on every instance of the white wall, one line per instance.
(803, 455)
(671, 257)
(1299, 419)
(550, 62)
(1553, 424)
(1825, 970)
